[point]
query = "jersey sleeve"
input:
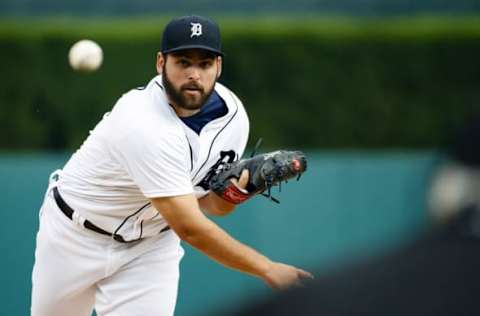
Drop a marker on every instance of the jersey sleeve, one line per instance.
(157, 162)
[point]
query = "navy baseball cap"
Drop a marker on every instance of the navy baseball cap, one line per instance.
(189, 32)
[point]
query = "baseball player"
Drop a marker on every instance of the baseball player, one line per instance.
(113, 217)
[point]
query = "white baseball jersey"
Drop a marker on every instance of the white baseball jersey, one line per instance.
(141, 150)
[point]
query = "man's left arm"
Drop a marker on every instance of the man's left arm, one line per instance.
(212, 204)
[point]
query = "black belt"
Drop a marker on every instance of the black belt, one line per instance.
(68, 211)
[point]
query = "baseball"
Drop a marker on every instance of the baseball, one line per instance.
(85, 56)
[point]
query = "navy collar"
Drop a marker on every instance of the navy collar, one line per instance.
(214, 108)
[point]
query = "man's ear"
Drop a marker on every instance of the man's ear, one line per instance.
(160, 62)
(219, 66)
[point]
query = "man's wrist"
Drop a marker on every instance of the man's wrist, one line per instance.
(264, 269)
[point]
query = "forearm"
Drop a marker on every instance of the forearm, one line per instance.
(221, 247)
(184, 216)
(212, 204)
(191, 225)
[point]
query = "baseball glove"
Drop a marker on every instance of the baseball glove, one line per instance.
(265, 170)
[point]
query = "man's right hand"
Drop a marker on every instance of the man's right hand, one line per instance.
(282, 276)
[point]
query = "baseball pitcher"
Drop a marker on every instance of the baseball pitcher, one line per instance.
(167, 154)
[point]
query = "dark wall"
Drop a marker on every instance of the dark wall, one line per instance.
(126, 7)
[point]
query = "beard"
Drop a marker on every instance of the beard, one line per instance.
(180, 99)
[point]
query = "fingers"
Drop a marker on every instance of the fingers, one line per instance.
(243, 181)
(284, 276)
(304, 274)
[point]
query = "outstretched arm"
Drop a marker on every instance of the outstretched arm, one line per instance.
(185, 217)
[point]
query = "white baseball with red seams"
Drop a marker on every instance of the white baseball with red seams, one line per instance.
(85, 56)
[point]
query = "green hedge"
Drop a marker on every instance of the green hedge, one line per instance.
(334, 83)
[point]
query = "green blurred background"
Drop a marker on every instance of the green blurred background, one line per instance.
(371, 90)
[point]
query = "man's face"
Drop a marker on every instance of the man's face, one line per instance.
(189, 77)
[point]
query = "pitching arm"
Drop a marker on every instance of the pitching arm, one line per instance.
(184, 216)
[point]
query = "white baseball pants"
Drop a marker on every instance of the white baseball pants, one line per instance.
(77, 269)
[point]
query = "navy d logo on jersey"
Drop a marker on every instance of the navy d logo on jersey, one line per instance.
(196, 29)
(225, 157)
